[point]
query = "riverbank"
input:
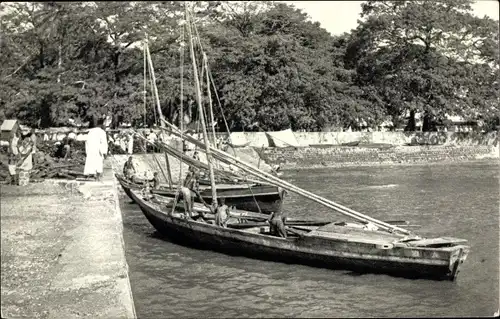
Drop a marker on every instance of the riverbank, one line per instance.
(62, 251)
(292, 158)
(346, 156)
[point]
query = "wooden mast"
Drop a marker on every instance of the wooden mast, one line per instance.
(200, 108)
(145, 80)
(162, 124)
(205, 61)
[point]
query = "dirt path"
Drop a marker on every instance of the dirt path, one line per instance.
(62, 251)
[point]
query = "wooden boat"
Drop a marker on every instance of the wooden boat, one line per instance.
(251, 197)
(332, 245)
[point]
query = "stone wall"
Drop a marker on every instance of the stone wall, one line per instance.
(259, 139)
(336, 156)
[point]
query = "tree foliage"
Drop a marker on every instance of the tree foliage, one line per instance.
(273, 68)
(430, 56)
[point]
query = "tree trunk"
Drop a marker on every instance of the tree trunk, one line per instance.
(116, 62)
(59, 62)
(41, 56)
(410, 127)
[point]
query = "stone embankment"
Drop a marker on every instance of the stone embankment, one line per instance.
(63, 252)
(313, 157)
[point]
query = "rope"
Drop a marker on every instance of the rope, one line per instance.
(221, 110)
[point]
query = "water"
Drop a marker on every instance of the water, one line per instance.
(459, 200)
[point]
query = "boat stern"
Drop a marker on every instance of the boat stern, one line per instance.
(457, 258)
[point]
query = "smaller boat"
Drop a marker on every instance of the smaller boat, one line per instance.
(248, 196)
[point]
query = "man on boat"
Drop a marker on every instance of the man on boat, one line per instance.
(196, 156)
(193, 168)
(221, 213)
(277, 224)
(156, 181)
(129, 169)
(278, 218)
(188, 191)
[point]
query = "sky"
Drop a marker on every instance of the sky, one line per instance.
(338, 17)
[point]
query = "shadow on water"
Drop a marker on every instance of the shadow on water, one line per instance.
(458, 200)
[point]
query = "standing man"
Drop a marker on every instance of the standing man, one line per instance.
(14, 156)
(96, 149)
(25, 163)
(221, 213)
(189, 191)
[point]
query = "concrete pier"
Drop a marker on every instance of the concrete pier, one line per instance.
(62, 251)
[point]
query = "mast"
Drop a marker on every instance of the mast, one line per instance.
(200, 108)
(145, 81)
(162, 124)
(205, 61)
(157, 98)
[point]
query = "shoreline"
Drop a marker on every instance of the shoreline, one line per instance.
(309, 157)
(389, 164)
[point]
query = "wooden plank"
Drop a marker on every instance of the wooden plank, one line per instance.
(344, 229)
(381, 240)
(436, 242)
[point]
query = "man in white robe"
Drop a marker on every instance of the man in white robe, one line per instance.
(96, 148)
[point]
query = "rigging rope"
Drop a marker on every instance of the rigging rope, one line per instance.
(220, 105)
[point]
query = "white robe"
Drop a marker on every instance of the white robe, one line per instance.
(96, 147)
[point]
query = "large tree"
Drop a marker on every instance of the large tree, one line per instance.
(430, 56)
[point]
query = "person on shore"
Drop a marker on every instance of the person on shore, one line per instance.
(96, 149)
(34, 140)
(14, 156)
(25, 163)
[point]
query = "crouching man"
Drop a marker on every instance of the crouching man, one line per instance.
(277, 224)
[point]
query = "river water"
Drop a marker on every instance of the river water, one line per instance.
(458, 200)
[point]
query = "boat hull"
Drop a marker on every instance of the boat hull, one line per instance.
(436, 264)
(261, 198)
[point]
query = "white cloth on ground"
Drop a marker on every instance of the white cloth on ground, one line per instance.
(96, 147)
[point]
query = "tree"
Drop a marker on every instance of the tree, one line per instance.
(420, 56)
(276, 69)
